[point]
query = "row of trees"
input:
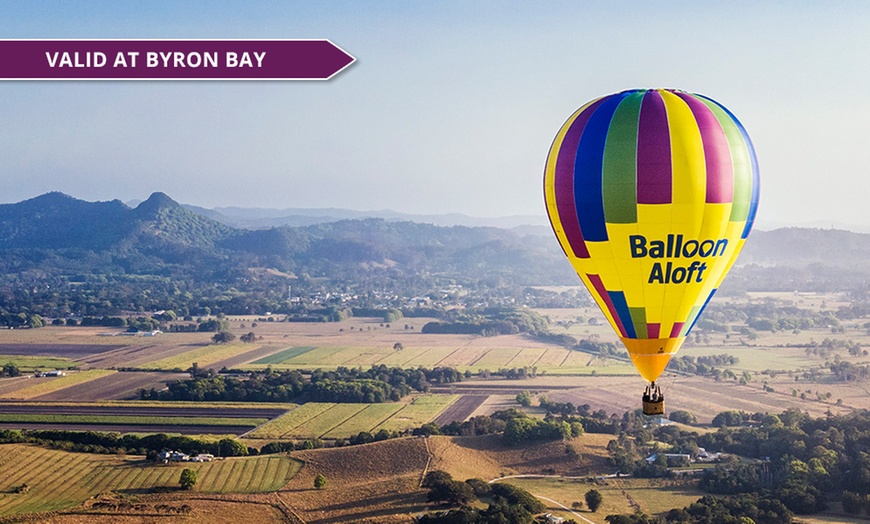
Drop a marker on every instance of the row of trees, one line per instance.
(375, 385)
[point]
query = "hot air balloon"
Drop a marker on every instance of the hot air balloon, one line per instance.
(652, 194)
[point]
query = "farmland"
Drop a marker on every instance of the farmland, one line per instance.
(620, 496)
(328, 420)
(28, 364)
(58, 479)
(128, 417)
(476, 355)
(203, 356)
(45, 386)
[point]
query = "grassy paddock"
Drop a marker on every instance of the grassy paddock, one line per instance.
(59, 480)
(43, 386)
(653, 496)
(29, 364)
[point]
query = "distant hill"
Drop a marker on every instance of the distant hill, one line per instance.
(802, 246)
(56, 234)
(261, 218)
(56, 221)
(54, 231)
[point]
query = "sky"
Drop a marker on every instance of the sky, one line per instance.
(450, 107)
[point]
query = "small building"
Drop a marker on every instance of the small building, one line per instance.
(152, 333)
(202, 457)
(173, 456)
(706, 456)
(54, 373)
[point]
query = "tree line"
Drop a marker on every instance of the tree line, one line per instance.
(375, 385)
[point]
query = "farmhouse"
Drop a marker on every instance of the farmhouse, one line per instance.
(683, 457)
(706, 456)
(173, 456)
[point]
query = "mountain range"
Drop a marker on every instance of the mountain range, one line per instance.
(53, 231)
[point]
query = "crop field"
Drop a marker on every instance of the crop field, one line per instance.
(283, 355)
(203, 356)
(421, 410)
(469, 357)
(365, 420)
(280, 426)
(328, 420)
(117, 386)
(57, 479)
(43, 386)
(28, 364)
(120, 420)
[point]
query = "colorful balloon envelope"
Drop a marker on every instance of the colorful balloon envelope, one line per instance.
(652, 194)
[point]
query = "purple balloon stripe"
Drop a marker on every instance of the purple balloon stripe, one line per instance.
(564, 182)
(717, 153)
(654, 176)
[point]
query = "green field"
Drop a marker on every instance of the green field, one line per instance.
(130, 420)
(286, 354)
(280, 426)
(421, 411)
(328, 420)
(57, 479)
(365, 420)
(43, 386)
(28, 364)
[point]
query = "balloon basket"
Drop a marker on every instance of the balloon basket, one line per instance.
(653, 401)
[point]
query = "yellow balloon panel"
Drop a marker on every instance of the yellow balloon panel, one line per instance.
(651, 194)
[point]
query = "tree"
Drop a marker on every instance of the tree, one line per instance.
(683, 417)
(398, 346)
(593, 500)
(222, 337)
(250, 337)
(576, 505)
(320, 481)
(524, 398)
(188, 479)
(228, 447)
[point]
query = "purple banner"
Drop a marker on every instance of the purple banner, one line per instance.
(171, 59)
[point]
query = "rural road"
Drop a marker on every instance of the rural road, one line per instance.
(566, 508)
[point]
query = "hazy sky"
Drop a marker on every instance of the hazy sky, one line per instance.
(450, 107)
